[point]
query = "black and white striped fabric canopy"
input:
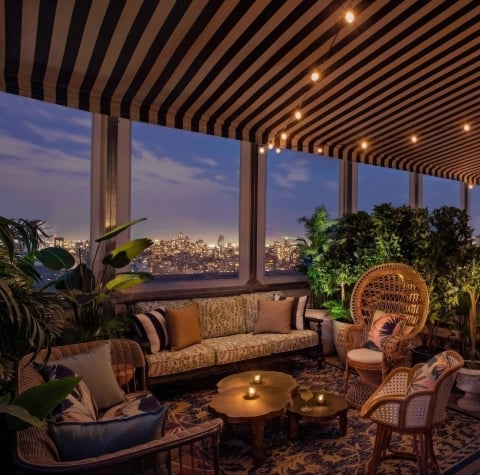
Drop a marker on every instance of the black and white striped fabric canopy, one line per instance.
(241, 69)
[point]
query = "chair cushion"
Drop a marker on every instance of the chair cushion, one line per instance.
(383, 327)
(426, 377)
(299, 304)
(273, 316)
(152, 329)
(78, 405)
(183, 326)
(80, 440)
(365, 355)
(95, 367)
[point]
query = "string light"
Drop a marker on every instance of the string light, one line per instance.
(277, 150)
(315, 76)
(283, 136)
(319, 150)
(414, 139)
(364, 145)
(298, 115)
(270, 145)
(349, 16)
(466, 127)
(261, 150)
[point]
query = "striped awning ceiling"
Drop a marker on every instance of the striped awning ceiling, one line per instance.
(241, 69)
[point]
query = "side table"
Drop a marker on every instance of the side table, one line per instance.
(334, 407)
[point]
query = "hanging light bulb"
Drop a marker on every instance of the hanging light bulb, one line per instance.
(277, 150)
(319, 150)
(261, 149)
(298, 115)
(270, 145)
(349, 16)
(466, 127)
(283, 136)
(315, 76)
(364, 145)
(414, 139)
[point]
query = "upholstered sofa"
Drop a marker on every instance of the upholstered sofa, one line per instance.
(234, 329)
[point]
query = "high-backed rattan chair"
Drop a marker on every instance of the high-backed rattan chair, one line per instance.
(387, 289)
(404, 404)
(177, 450)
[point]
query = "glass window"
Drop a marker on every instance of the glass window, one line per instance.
(45, 168)
(475, 210)
(187, 185)
(297, 183)
(377, 185)
(438, 192)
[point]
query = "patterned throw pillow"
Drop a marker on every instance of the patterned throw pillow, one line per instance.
(152, 328)
(383, 327)
(79, 405)
(427, 376)
(299, 304)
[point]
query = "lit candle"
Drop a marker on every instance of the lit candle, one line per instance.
(251, 392)
(321, 398)
(257, 379)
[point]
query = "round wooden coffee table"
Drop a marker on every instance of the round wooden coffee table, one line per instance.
(335, 406)
(268, 379)
(233, 408)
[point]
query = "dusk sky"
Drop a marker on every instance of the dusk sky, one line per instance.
(182, 182)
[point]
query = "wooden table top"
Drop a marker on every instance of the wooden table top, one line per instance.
(334, 404)
(231, 403)
(268, 379)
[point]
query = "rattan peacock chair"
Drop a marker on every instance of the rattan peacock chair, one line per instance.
(389, 305)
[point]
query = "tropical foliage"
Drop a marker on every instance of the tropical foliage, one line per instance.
(90, 295)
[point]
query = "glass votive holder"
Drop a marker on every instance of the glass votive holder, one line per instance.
(321, 400)
(257, 379)
(251, 393)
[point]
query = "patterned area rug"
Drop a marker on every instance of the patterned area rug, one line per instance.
(319, 450)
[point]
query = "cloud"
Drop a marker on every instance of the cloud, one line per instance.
(54, 136)
(205, 161)
(292, 173)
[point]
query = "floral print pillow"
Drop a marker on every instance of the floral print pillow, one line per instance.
(426, 377)
(383, 327)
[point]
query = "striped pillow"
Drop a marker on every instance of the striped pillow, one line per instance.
(152, 327)
(299, 305)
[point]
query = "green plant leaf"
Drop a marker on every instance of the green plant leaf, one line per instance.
(124, 254)
(55, 258)
(117, 230)
(40, 400)
(18, 417)
(127, 280)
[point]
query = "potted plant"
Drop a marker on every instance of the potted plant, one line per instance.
(90, 296)
(30, 319)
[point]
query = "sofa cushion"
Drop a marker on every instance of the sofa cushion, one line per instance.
(273, 316)
(299, 305)
(221, 316)
(228, 349)
(152, 329)
(183, 326)
(295, 340)
(148, 306)
(80, 440)
(171, 362)
(95, 367)
(250, 307)
(79, 404)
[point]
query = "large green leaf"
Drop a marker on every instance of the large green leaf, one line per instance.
(20, 417)
(117, 230)
(124, 254)
(40, 400)
(127, 280)
(55, 258)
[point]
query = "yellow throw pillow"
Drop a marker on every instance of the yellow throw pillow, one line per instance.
(183, 326)
(273, 316)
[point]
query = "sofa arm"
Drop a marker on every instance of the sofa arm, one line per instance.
(181, 448)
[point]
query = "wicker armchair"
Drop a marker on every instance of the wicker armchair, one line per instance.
(395, 407)
(393, 288)
(175, 452)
